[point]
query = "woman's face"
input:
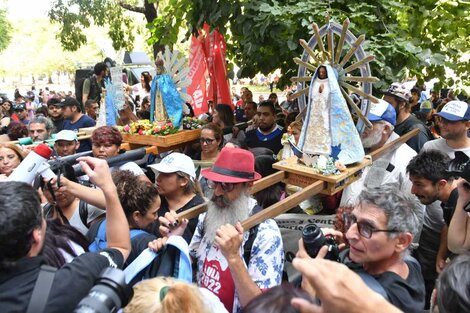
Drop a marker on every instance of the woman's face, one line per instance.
(104, 150)
(294, 131)
(169, 183)
(144, 221)
(6, 106)
(215, 118)
(208, 142)
(9, 160)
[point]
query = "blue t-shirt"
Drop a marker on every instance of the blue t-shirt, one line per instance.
(83, 122)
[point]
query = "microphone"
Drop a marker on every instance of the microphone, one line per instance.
(33, 165)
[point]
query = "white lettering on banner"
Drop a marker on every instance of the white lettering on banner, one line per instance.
(298, 221)
(198, 97)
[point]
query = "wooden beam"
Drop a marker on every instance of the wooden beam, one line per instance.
(283, 205)
(193, 212)
(267, 181)
(394, 144)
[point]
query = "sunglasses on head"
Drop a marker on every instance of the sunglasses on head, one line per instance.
(365, 229)
(227, 187)
(206, 141)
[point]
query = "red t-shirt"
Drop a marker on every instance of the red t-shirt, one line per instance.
(217, 278)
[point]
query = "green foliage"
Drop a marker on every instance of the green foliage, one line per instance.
(37, 51)
(5, 30)
(73, 16)
(409, 38)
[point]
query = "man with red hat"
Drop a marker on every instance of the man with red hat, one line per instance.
(234, 264)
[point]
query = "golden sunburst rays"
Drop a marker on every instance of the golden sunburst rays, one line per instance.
(346, 66)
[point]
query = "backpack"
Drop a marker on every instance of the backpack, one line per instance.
(82, 211)
(100, 242)
(95, 88)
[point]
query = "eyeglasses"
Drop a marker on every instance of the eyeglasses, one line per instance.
(227, 187)
(206, 141)
(365, 229)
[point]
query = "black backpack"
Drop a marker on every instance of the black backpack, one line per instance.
(95, 87)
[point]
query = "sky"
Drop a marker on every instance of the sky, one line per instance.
(27, 9)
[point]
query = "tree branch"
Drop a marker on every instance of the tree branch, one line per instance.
(132, 8)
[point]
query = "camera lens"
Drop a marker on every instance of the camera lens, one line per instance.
(109, 294)
(313, 239)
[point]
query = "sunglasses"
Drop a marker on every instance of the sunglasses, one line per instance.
(227, 187)
(206, 141)
(365, 229)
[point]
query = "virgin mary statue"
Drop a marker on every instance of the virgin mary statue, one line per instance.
(328, 128)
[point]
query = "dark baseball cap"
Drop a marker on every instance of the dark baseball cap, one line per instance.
(69, 101)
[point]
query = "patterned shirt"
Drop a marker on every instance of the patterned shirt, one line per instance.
(265, 265)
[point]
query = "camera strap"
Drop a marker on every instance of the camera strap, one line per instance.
(41, 290)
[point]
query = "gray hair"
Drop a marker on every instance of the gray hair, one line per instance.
(42, 120)
(403, 213)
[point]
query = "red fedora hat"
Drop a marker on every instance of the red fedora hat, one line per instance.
(233, 165)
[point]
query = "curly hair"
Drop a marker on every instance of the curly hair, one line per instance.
(16, 130)
(134, 194)
(431, 165)
(106, 134)
(403, 212)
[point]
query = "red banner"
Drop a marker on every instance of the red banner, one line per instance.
(214, 48)
(208, 53)
(197, 69)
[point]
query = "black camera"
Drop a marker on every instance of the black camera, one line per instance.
(314, 239)
(460, 167)
(109, 294)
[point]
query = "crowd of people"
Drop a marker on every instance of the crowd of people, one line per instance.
(405, 223)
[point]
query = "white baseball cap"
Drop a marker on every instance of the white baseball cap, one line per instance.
(175, 162)
(67, 135)
(455, 110)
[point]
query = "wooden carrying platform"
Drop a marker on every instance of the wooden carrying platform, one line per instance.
(301, 175)
(163, 143)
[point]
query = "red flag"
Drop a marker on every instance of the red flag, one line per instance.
(214, 48)
(197, 68)
(220, 70)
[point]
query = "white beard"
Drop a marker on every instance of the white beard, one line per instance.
(235, 211)
(372, 139)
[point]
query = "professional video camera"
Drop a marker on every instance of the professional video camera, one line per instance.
(314, 239)
(109, 294)
(460, 167)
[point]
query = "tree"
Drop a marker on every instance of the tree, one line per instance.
(74, 16)
(5, 30)
(409, 38)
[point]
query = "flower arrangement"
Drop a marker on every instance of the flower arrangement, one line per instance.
(193, 123)
(144, 127)
(324, 165)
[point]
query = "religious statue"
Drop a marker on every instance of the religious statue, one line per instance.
(328, 129)
(167, 100)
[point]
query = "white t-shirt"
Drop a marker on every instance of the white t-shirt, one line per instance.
(441, 145)
(76, 221)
